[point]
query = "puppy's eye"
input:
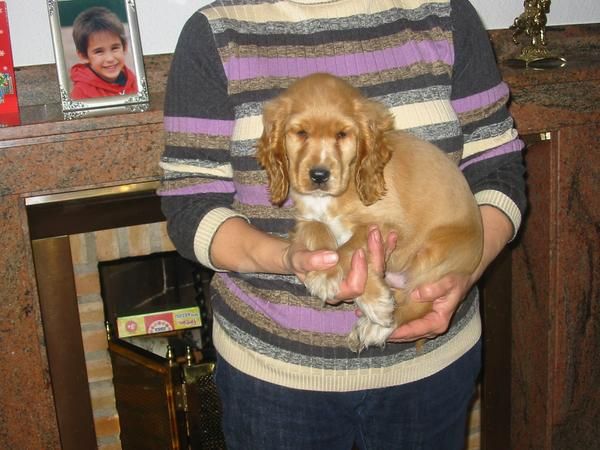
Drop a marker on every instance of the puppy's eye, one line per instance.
(302, 134)
(341, 135)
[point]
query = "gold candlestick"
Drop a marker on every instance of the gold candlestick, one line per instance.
(532, 23)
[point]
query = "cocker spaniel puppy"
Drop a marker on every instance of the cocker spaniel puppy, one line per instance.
(337, 155)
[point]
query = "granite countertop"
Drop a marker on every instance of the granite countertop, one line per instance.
(48, 120)
(558, 97)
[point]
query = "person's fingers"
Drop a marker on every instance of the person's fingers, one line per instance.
(303, 261)
(391, 240)
(431, 325)
(376, 249)
(322, 260)
(354, 283)
(432, 291)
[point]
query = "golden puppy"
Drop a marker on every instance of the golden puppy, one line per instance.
(338, 156)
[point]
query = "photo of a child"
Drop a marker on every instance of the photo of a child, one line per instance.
(101, 45)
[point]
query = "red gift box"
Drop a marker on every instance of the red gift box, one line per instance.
(9, 105)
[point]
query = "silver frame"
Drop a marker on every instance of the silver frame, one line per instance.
(73, 109)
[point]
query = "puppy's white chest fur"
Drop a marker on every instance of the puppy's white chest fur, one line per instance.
(317, 208)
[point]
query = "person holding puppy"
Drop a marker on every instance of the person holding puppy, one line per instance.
(285, 374)
(101, 45)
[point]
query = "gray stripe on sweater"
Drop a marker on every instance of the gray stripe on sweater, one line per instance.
(489, 131)
(318, 25)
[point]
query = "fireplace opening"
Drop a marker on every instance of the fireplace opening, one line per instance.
(156, 302)
(147, 284)
(125, 322)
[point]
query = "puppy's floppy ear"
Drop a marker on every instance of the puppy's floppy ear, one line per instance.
(270, 149)
(374, 121)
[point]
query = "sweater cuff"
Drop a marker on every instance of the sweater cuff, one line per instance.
(206, 230)
(503, 203)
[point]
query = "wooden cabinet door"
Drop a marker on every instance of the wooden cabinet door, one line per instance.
(555, 296)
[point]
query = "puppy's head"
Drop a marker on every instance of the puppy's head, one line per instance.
(320, 135)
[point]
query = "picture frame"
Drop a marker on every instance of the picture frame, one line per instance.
(102, 95)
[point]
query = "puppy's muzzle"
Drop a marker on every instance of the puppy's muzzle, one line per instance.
(319, 176)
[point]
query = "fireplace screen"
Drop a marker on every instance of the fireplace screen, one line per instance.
(158, 321)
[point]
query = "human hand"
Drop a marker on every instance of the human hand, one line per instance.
(301, 261)
(378, 252)
(445, 295)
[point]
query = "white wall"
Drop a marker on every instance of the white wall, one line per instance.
(498, 14)
(161, 20)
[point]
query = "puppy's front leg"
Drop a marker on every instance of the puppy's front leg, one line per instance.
(315, 235)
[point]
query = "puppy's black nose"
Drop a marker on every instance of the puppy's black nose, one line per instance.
(319, 175)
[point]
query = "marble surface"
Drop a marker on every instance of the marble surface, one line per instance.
(554, 98)
(48, 154)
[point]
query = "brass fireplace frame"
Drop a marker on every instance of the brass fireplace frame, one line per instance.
(51, 219)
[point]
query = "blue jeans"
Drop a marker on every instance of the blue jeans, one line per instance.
(426, 414)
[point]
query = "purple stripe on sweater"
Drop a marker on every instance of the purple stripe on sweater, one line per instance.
(198, 126)
(218, 187)
(256, 195)
(509, 147)
(252, 195)
(480, 99)
(296, 317)
(342, 65)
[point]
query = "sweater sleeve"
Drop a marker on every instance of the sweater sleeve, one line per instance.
(196, 187)
(492, 160)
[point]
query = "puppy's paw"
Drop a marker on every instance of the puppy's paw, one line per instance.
(354, 338)
(324, 284)
(368, 334)
(379, 310)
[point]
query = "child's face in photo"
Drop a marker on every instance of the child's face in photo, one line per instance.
(105, 54)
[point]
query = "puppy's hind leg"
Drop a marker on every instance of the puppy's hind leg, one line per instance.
(447, 250)
(377, 322)
(367, 334)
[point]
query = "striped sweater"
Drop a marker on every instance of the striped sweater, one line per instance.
(429, 61)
